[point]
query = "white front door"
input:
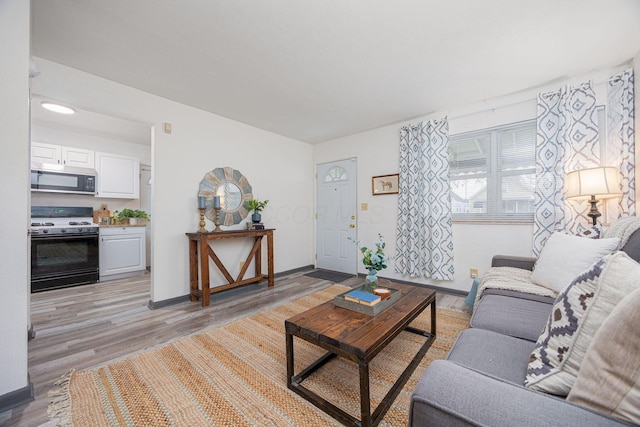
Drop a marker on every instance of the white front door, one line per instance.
(336, 216)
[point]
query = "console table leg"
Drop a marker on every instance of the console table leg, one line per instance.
(204, 272)
(270, 258)
(193, 269)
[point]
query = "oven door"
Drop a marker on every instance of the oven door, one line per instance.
(59, 261)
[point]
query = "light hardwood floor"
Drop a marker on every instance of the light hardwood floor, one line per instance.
(88, 326)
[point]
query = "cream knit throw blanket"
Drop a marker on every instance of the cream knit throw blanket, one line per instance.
(512, 279)
(518, 279)
(623, 228)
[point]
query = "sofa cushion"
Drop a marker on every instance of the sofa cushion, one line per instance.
(563, 257)
(492, 353)
(452, 395)
(632, 246)
(576, 316)
(512, 313)
(609, 377)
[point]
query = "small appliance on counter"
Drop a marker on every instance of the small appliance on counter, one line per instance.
(64, 247)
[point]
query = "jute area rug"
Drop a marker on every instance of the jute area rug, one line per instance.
(236, 376)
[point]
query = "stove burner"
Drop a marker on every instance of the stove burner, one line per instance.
(42, 224)
(78, 223)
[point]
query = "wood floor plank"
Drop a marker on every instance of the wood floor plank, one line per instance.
(88, 326)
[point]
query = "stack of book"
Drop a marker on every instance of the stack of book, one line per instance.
(362, 297)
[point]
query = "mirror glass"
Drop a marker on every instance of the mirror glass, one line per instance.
(234, 191)
(230, 196)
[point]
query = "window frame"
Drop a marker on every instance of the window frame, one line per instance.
(494, 176)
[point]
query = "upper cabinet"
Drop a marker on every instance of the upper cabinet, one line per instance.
(78, 157)
(118, 176)
(46, 153)
(57, 154)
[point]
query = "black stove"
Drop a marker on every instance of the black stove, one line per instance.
(64, 247)
(62, 220)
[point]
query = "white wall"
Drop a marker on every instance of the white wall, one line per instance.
(377, 152)
(279, 169)
(14, 192)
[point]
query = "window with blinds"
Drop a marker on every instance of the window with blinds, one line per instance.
(492, 174)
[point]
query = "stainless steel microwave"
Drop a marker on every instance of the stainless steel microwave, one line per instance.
(63, 179)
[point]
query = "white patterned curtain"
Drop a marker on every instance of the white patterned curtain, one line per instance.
(568, 139)
(620, 150)
(424, 242)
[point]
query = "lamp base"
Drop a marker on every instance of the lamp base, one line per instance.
(593, 212)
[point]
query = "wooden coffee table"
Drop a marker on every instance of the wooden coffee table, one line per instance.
(360, 338)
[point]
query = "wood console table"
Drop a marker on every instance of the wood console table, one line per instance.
(200, 251)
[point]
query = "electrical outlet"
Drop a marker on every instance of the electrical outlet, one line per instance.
(473, 273)
(241, 264)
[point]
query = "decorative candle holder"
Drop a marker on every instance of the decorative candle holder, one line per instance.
(202, 223)
(217, 220)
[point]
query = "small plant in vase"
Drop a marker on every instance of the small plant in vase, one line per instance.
(257, 206)
(374, 260)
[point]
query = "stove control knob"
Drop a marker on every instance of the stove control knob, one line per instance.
(45, 231)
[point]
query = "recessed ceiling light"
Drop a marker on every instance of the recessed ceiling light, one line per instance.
(57, 108)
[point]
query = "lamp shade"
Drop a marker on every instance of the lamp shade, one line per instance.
(601, 182)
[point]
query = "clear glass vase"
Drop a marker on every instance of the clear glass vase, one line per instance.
(372, 280)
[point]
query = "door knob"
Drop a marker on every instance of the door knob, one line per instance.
(352, 226)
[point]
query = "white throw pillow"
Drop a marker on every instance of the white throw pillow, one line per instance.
(563, 257)
(609, 377)
(576, 316)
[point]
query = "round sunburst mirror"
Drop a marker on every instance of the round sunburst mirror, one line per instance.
(234, 191)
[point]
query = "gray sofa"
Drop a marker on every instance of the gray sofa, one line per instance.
(481, 382)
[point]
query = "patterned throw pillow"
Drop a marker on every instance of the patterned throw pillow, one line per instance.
(576, 316)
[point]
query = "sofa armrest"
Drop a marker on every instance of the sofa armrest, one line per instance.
(526, 263)
(451, 395)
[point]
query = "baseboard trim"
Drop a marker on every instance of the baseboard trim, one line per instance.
(424, 285)
(295, 270)
(171, 301)
(18, 397)
(167, 302)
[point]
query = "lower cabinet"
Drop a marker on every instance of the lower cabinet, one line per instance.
(122, 252)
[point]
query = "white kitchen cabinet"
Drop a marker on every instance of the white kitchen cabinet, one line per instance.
(118, 176)
(46, 153)
(61, 155)
(122, 252)
(78, 157)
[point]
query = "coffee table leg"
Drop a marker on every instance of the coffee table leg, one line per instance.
(289, 347)
(365, 398)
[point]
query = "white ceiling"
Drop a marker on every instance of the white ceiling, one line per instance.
(90, 122)
(318, 70)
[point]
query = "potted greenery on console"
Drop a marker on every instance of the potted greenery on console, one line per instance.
(257, 206)
(130, 215)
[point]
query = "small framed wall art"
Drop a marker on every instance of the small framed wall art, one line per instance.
(384, 184)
